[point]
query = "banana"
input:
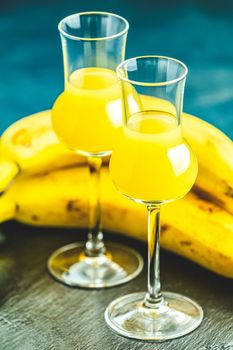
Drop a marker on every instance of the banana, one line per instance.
(31, 145)
(193, 227)
(214, 152)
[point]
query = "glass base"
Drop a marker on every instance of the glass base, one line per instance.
(72, 267)
(176, 317)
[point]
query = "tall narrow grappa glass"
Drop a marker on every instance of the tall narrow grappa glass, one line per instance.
(153, 164)
(86, 117)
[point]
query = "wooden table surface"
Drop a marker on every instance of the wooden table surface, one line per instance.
(38, 313)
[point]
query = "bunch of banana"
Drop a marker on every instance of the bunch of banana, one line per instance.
(193, 227)
(30, 145)
(51, 189)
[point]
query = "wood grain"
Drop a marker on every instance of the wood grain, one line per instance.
(37, 313)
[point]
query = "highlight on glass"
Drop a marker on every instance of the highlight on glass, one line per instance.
(153, 164)
(86, 117)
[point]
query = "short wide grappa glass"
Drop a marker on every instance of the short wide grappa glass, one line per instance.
(86, 117)
(153, 164)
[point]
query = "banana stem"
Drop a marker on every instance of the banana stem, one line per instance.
(154, 298)
(95, 245)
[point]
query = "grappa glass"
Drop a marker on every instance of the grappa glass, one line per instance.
(86, 117)
(153, 164)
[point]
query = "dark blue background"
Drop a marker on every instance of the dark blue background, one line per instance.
(200, 33)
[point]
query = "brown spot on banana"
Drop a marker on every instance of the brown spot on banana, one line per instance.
(24, 137)
(73, 206)
(201, 194)
(186, 243)
(229, 192)
(35, 217)
(164, 228)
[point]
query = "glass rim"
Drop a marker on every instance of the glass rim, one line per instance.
(79, 38)
(161, 83)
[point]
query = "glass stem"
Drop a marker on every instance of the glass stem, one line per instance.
(153, 297)
(95, 245)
